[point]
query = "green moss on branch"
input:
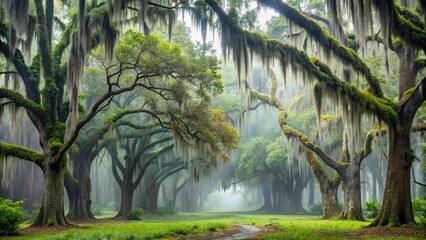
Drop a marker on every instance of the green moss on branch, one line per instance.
(20, 100)
(328, 41)
(13, 150)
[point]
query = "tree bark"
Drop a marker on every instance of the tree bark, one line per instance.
(396, 206)
(311, 200)
(267, 197)
(374, 188)
(152, 198)
(126, 203)
(79, 194)
(330, 203)
(352, 207)
(52, 208)
(295, 205)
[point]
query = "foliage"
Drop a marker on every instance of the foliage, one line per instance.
(135, 214)
(419, 209)
(97, 209)
(11, 215)
(371, 209)
(316, 209)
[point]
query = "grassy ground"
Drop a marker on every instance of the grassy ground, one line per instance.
(211, 225)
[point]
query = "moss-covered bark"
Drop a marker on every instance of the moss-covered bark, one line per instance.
(52, 207)
(396, 206)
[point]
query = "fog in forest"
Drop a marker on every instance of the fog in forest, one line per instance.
(254, 136)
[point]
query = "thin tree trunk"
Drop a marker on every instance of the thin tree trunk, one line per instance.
(374, 188)
(311, 200)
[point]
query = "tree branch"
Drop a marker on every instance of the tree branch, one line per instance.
(410, 106)
(414, 178)
(330, 43)
(384, 108)
(166, 7)
(149, 161)
(8, 72)
(290, 132)
(21, 101)
(31, 83)
(13, 150)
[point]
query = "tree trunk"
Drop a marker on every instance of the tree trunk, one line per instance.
(267, 197)
(52, 208)
(126, 203)
(330, 202)
(374, 188)
(295, 205)
(80, 194)
(152, 198)
(311, 200)
(396, 206)
(352, 207)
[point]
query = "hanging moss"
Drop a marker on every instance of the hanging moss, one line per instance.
(323, 37)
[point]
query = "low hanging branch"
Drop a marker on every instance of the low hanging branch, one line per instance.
(291, 132)
(22, 153)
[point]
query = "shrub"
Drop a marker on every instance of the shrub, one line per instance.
(316, 209)
(135, 214)
(11, 215)
(371, 209)
(419, 209)
(165, 210)
(97, 210)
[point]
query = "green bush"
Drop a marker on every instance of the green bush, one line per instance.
(316, 209)
(165, 210)
(97, 210)
(419, 209)
(135, 214)
(11, 215)
(371, 209)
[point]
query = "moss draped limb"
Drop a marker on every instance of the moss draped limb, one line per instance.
(409, 26)
(31, 83)
(328, 41)
(384, 108)
(419, 64)
(22, 101)
(290, 132)
(304, 140)
(13, 150)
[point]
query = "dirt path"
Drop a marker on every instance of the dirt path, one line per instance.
(246, 231)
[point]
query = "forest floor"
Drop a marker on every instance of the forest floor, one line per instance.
(208, 226)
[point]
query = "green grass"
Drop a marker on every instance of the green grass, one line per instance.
(202, 224)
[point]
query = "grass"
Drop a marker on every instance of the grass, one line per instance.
(199, 225)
